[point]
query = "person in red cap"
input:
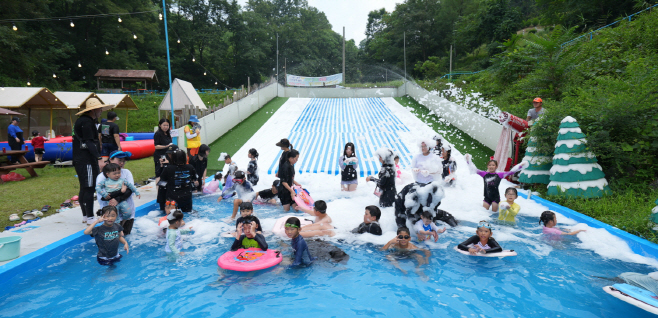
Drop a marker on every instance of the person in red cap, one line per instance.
(536, 111)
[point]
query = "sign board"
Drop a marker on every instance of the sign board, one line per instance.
(294, 80)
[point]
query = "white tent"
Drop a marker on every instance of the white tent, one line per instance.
(75, 100)
(184, 94)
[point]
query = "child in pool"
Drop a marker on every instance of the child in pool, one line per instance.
(247, 209)
(298, 245)
(243, 189)
(114, 183)
(322, 224)
(170, 205)
(269, 195)
(252, 168)
(482, 241)
(107, 236)
(492, 180)
(247, 236)
(348, 164)
(214, 185)
(398, 169)
(232, 167)
(370, 221)
(509, 209)
(550, 221)
(386, 178)
(425, 228)
(174, 233)
(402, 245)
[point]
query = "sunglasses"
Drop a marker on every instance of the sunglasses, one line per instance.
(291, 225)
(404, 237)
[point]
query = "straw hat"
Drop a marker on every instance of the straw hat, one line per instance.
(94, 103)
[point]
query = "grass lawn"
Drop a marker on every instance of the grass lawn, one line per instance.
(232, 140)
(460, 140)
(52, 187)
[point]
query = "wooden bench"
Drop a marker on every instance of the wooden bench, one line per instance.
(24, 164)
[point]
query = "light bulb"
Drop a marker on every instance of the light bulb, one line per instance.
(178, 40)
(79, 65)
(28, 83)
(134, 36)
(15, 28)
(193, 60)
(72, 25)
(120, 20)
(204, 73)
(160, 15)
(107, 52)
(54, 76)
(215, 83)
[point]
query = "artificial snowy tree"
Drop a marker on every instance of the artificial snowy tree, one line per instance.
(539, 167)
(575, 172)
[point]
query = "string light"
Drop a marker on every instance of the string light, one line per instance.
(193, 60)
(134, 36)
(160, 15)
(79, 65)
(54, 76)
(119, 19)
(204, 73)
(28, 82)
(72, 25)
(176, 41)
(16, 29)
(215, 83)
(107, 52)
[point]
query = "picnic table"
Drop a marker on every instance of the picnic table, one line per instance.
(24, 164)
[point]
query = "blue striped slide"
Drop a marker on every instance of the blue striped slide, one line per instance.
(327, 124)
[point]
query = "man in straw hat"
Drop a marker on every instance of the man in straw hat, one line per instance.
(86, 154)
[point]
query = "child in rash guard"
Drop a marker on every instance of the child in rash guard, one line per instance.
(107, 236)
(269, 195)
(298, 245)
(200, 164)
(370, 222)
(175, 234)
(508, 208)
(425, 228)
(214, 185)
(386, 180)
(252, 168)
(247, 209)
(180, 179)
(492, 180)
(550, 221)
(241, 187)
(482, 242)
(348, 164)
(247, 236)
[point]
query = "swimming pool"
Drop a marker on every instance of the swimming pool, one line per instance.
(549, 278)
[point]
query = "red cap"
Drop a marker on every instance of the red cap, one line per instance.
(537, 100)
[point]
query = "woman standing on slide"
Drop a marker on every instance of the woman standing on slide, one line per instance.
(348, 164)
(425, 166)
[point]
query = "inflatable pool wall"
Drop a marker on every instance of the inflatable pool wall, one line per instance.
(61, 149)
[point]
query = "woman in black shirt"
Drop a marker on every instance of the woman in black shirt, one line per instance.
(161, 140)
(181, 179)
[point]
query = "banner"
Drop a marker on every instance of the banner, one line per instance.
(294, 80)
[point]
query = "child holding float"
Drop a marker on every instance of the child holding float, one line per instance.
(107, 236)
(492, 180)
(482, 242)
(247, 236)
(247, 210)
(550, 221)
(175, 234)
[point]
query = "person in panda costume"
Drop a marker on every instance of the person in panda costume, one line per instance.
(418, 197)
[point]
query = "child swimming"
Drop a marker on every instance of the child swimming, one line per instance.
(370, 222)
(509, 209)
(107, 236)
(214, 185)
(550, 221)
(425, 228)
(174, 233)
(482, 241)
(492, 180)
(269, 195)
(401, 244)
(298, 245)
(252, 167)
(247, 236)
(247, 209)
(243, 189)
(114, 183)
(322, 224)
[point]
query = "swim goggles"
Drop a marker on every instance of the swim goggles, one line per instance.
(238, 180)
(403, 237)
(291, 225)
(172, 203)
(484, 224)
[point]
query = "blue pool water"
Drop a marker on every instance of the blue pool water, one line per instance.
(148, 284)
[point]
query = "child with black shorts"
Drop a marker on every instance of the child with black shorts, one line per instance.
(107, 236)
(492, 180)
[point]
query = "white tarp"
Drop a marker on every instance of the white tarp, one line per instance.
(184, 94)
(294, 80)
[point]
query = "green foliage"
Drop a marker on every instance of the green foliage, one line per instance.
(432, 68)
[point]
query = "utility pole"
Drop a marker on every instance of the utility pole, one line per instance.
(277, 63)
(404, 45)
(450, 73)
(285, 70)
(171, 90)
(344, 81)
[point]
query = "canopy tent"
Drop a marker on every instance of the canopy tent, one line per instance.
(184, 95)
(123, 101)
(75, 100)
(29, 98)
(4, 111)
